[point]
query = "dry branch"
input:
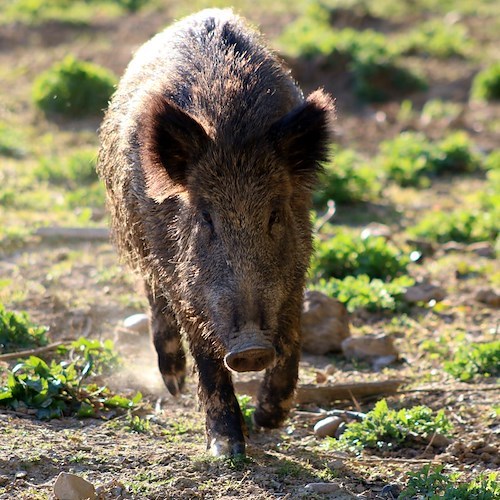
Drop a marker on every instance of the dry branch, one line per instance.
(74, 233)
(323, 395)
(30, 352)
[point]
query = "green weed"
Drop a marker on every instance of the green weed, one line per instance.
(411, 159)
(486, 84)
(137, 424)
(430, 483)
(347, 179)
(247, 410)
(57, 389)
(438, 39)
(11, 142)
(345, 255)
(361, 292)
(73, 88)
(17, 332)
(463, 225)
(475, 360)
(384, 428)
(436, 109)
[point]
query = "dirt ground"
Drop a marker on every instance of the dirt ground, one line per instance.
(79, 288)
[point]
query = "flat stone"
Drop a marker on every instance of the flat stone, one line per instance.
(138, 323)
(73, 487)
(482, 248)
(325, 323)
(488, 296)
(327, 426)
(369, 347)
(424, 292)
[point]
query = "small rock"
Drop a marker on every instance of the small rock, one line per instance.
(330, 369)
(323, 487)
(482, 248)
(439, 441)
(324, 323)
(369, 347)
(340, 430)
(452, 246)
(73, 487)
(424, 292)
(488, 296)
(391, 491)
(376, 229)
(321, 378)
(21, 474)
(426, 247)
(327, 426)
(383, 361)
(138, 323)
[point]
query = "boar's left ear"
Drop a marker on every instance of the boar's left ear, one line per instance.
(302, 136)
(170, 141)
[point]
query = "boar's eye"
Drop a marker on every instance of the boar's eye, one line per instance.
(207, 218)
(274, 218)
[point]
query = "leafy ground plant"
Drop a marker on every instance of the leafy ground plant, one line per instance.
(384, 428)
(73, 88)
(463, 225)
(346, 179)
(431, 483)
(486, 84)
(361, 292)
(59, 389)
(411, 159)
(475, 360)
(18, 332)
(344, 255)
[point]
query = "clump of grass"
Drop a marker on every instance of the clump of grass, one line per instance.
(345, 255)
(58, 389)
(11, 142)
(137, 424)
(436, 109)
(411, 159)
(17, 332)
(430, 483)
(462, 225)
(475, 360)
(70, 171)
(347, 179)
(486, 84)
(73, 88)
(361, 292)
(438, 39)
(365, 54)
(384, 428)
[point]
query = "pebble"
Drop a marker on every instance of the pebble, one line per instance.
(21, 474)
(330, 369)
(73, 487)
(322, 488)
(424, 292)
(327, 426)
(488, 296)
(321, 378)
(369, 347)
(390, 491)
(138, 323)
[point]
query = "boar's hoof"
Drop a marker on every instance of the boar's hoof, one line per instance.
(220, 447)
(174, 383)
(253, 359)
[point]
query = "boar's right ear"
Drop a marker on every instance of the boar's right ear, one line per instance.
(303, 135)
(170, 141)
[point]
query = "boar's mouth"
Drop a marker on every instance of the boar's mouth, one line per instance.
(249, 351)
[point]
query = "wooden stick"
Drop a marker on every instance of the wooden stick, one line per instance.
(323, 395)
(74, 233)
(30, 352)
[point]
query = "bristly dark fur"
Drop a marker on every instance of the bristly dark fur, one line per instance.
(209, 152)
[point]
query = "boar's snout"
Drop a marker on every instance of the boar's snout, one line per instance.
(249, 351)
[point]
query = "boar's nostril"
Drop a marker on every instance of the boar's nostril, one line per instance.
(250, 360)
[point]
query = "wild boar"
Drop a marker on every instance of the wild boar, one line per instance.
(209, 152)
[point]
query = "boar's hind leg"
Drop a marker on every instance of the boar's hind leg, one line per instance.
(224, 421)
(277, 390)
(168, 345)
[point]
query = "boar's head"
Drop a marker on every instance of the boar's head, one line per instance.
(230, 229)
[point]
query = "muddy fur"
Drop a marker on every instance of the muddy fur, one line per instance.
(209, 153)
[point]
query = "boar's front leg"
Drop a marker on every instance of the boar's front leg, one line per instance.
(225, 426)
(276, 393)
(167, 341)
